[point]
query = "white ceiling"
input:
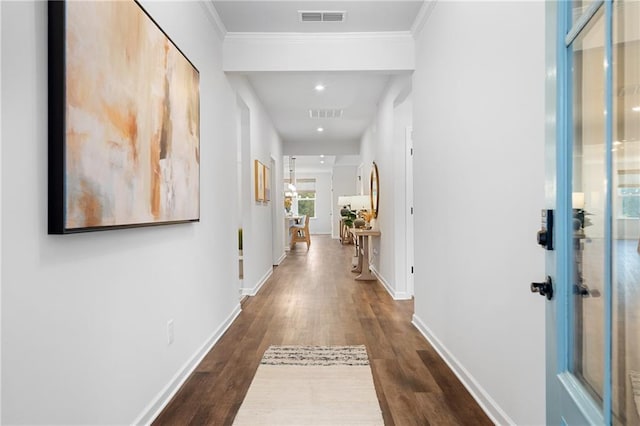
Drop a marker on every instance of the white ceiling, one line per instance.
(319, 163)
(288, 96)
(282, 16)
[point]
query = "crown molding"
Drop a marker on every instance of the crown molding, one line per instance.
(423, 16)
(213, 16)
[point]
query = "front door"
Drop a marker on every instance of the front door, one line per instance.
(593, 318)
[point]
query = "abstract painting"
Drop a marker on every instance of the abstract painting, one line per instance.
(124, 120)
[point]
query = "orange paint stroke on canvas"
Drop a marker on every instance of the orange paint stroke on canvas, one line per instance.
(127, 125)
(90, 205)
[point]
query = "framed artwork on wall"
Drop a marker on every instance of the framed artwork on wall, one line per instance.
(259, 180)
(124, 120)
(267, 184)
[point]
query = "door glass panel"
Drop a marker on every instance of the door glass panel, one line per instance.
(626, 214)
(589, 197)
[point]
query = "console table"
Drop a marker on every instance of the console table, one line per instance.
(363, 236)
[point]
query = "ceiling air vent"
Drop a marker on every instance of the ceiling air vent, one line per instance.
(333, 17)
(311, 16)
(322, 15)
(325, 113)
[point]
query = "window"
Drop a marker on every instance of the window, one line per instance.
(630, 198)
(628, 203)
(303, 200)
(306, 197)
(307, 204)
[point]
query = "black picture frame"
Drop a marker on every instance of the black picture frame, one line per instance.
(169, 201)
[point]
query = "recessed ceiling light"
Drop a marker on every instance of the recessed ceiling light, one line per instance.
(636, 108)
(321, 155)
(320, 129)
(319, 87)
(321, 161)
(617, 143)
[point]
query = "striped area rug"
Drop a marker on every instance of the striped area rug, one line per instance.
(312, 385)
(315, 355)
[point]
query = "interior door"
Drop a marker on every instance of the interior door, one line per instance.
(593, 321)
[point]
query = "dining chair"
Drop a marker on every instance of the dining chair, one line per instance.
(300, 232)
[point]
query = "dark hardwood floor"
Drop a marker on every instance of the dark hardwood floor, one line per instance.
(312, 299)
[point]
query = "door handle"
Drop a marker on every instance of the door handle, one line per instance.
(544, 289)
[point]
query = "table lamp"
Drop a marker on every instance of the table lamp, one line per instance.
(360, 202)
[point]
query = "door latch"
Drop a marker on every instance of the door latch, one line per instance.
(545, 288)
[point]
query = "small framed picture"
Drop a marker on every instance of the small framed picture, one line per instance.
(259, 180)
(267, 184)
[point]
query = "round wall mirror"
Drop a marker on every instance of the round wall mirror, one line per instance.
(374, 193)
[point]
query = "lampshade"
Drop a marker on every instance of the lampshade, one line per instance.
(344, 200)
(577, 200)
(360, 202)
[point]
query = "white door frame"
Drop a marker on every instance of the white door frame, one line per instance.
(275, 218)
(244, 185)
(409, 232)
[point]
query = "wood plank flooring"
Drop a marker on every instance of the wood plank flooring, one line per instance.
(312, 299)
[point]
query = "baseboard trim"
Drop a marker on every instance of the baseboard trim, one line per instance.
(280, 259)
(155, 407)
(396, 295)
(253, 291)
(486, 402)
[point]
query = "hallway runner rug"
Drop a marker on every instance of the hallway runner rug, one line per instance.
(312, 385)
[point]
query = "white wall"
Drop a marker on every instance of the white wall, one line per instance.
(402, 118)
(479, 116)
(343, 183)
(383, 143)
(84, 317)
(264, 143)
